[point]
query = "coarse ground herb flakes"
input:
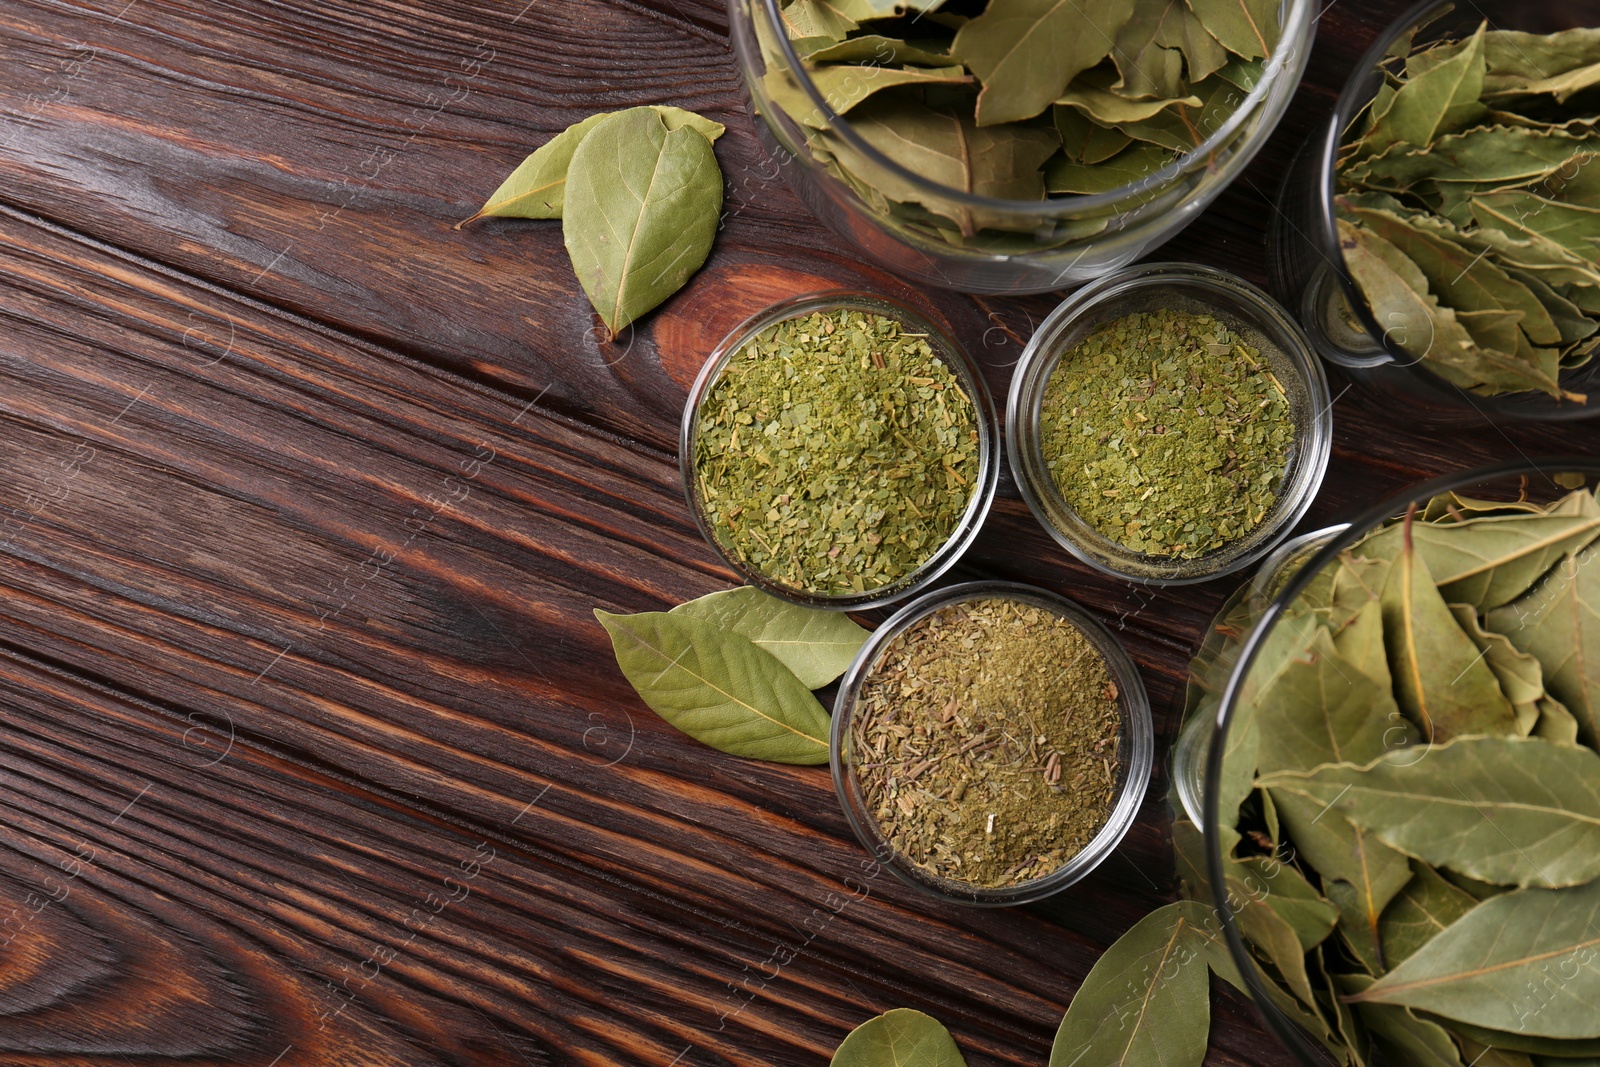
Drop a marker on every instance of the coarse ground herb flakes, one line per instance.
(836, 453)
(1167, 433)
(986, 742)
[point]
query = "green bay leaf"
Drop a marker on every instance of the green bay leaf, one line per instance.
(1323, 709)
(1524, 961)
(1442, 100)
(1247, 28)
(1423, 909)
(641, 211)
(718, 687)
(1441, 680)
(816, 645)
(1147, 999)
(1558, 622)
(537, 188)
(901, 1037)
(1511, 811)
(1026, 52)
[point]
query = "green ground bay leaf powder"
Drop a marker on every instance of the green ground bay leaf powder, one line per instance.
(836, 453)
(1167, 432)
(986, 742)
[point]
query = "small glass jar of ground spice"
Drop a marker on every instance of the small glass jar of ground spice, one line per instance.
(991, 743)
(1169, 423)
(839, 450)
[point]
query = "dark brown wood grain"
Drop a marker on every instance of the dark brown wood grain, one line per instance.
(311, 751)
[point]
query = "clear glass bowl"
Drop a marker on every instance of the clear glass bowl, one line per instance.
(948, 350)
(1308, 268)
(1247, 624)
(1196, 289)
(1045, 244)
(1135, 754)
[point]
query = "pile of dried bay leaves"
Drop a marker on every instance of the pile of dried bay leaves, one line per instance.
(1469, 206)
(1012, 99)
(1416, 859)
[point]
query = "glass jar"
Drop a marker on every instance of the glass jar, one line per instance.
(1308, 267)
(949, 351)
(1036, 245)
(1135, 752)
(1223, 670)
(1199, 290)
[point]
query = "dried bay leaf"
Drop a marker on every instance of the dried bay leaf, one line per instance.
(1270, 934)
(537, 188)
(947, 147)
(1092, 95)
(1558, 622)
(1131, 165)
(1441, 681)
(718, 687)
(1286, 891)
(1527, 1044)
(1575, 227)
(1492, 967)
(1561, 86)
(1247, 28)
(1162, 40)
(641, 211)
(1360, 874)
(1442, 100)
(1424, 908)
(876, 49)
(1409, 1040)
(1489, 558)
(1323, 709)
(1026, 52)
(1521, 679)
(1460, 278)
(899, 1038)
(1556, 723)
(1147, 998)
(1510, 811)
(1485, 154)
(845, 86)
(818, 646)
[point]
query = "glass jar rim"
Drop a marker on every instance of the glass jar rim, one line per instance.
(1139, 730)
(1300, 18)
(1286, 1030)
(948, 349)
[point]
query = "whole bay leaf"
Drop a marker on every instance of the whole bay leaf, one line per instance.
(1484, 154)
(1126, 167)
(947, 147)
(1561, 86)
(1441, 100)
(718, 687)
(1026, 52)
(1522, 961)
(818, 646)
(537, 188)
(1492, 559)
(1323, 709)
(844, 86)
(1575, 323)
(1441, 681)
(1247, 28)
(1494, 328)
(1091, 94)
(1512, 811)
(1558, 622)
(824, 18)
(1147, 999)
(898, 1038)
(642, 208)
(1424, 908)
(877, 49)
(1517, 58)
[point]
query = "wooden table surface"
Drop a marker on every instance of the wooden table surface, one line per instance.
(313, 752)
